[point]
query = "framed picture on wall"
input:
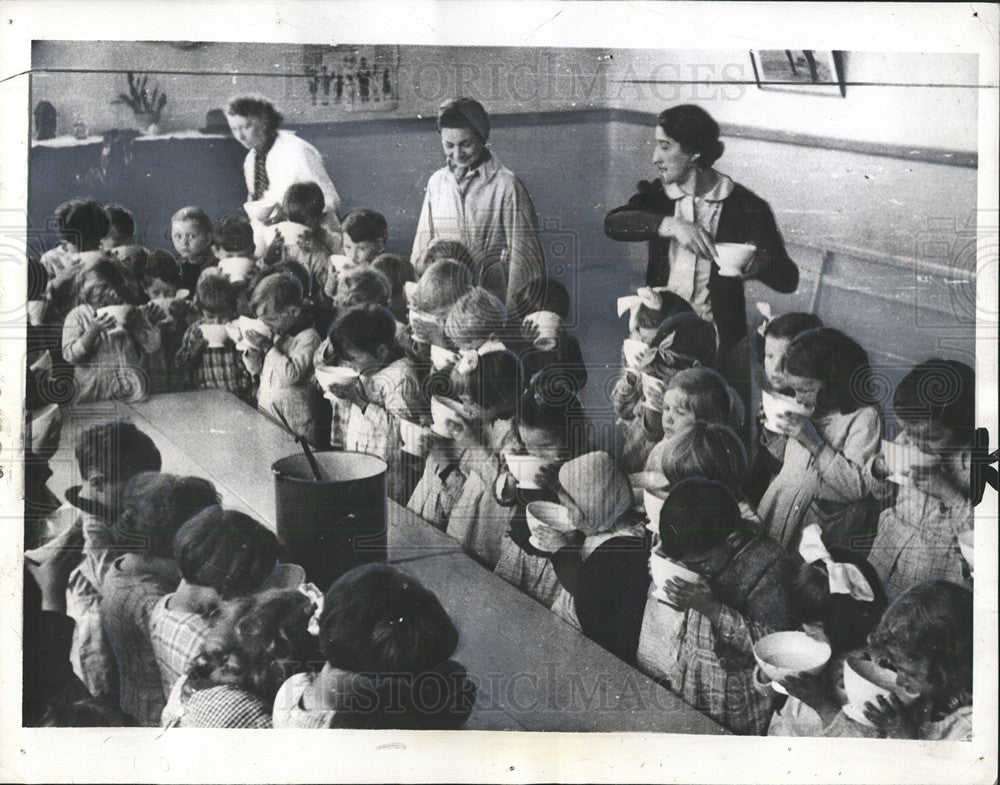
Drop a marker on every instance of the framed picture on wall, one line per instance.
(799, 70)
(327, 82)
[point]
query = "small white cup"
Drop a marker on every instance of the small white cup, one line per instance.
(663, 570)
(777, 405)
(330, 376)
(414, 438)
(445, 416)
(523, 469)
(549, 515)
(652, 391)
(634, 351)
(236, 268)
(548, 324)
(441, 357)
(733, 258)
(117, 312)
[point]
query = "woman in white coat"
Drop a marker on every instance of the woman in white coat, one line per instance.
(276, 160)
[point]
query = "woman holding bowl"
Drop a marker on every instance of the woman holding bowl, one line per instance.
(687, 212)
(276, 160)
(479, 202)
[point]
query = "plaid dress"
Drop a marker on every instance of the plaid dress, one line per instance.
(207, 368)
(917, 540)
(222, 706)
(177, 637)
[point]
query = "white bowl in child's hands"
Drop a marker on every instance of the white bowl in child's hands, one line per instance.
(776, 407)
(524, 468)
(248, 326)
(900, 459)
(634, 352)
(864, 682)
(784, 654)
(546, 515)
(652, 391)
(446, 416)
(215, 334)
(415, 438)
(653, 503)
(441, 357)
(663, 570)
(116, 312)
(236, 268)
(548, 324)
(331, 376)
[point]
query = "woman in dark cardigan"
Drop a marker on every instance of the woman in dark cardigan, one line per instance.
(688, 209)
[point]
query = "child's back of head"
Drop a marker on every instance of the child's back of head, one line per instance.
(397, 269)
(708, 450)
(226, 551)
(698, 515)
(683, 341)
(444, 250)
(116, 450)
(155, 506)
(83, 223)
(494, 385)
(657, 306)
(122, 227)
(233, 236)
(161, 266)
(364, 329)
(542, 293)
(474, 318)
(304, 203)
(216, 296)
(362, 286)
(363, 225)
(440, 286)
(280, 290)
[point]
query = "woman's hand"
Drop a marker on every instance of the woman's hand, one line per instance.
(891, 717)
(688, 235)
(799, 427)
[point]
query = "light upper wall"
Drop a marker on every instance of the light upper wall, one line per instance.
(908, 99)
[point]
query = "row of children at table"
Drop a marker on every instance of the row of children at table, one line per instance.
(153, 605)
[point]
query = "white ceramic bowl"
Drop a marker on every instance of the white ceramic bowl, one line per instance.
(215, 334)
(777, 405)
(236, 268)
(117, 312)
(330, 376)
(41, 423)
(163, 303)
(634, 352)
(663, 570)
(548, 324)
(523, 468)
(441, 357)
(652, 391)
(784, 654)
(413, 436)
(249, 324)
(641, 481)
(233, 331)
(36, 311)
(653, 505)
(547, 514)
(864, 682)
(733, 258)
(965, 542)
(445, 414)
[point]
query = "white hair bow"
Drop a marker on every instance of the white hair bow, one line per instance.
(844, 578)
(468, 360)
(314, 594)
(650, 296)
(764, 309)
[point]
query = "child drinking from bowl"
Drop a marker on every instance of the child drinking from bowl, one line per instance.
(554, 430)
(191, 233)
(544, 298)
(488, 382)
(647, 309)
(106, 348)
(384, 391)
(702, 648)
(364, 235)
(925, 636)
(383, 635)
(207, 367)
(284, 360)
(824, 469)
(169, 314)
(681, 342)
(121, 231)
(772, 344)
(917, 537)
(232, 244)
(599, 499)
(838, 598)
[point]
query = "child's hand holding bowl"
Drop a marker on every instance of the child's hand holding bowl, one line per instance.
(691, 595)
(799, 427)
(154, 313)
(892, 717)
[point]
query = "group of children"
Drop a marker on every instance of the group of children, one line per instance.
(474, 404)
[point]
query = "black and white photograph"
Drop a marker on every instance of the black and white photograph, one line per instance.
(482, 385)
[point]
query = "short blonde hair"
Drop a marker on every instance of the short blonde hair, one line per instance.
(476, 315)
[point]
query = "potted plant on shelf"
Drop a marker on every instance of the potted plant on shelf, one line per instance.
(146, 106)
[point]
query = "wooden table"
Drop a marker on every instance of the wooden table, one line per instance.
(534, 671)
